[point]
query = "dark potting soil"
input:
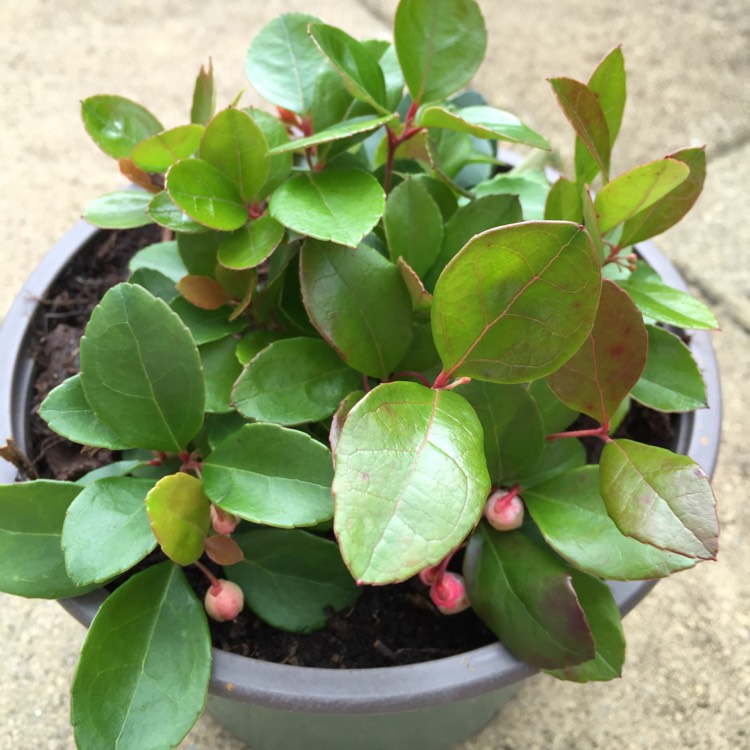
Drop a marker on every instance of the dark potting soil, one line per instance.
(389, 625)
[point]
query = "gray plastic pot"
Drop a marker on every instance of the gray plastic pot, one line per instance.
(281, 707)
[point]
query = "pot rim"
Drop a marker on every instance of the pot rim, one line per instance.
(378, 690)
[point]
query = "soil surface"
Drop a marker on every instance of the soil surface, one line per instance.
(389, 625)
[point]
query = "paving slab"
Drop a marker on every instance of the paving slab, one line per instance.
(687, 679)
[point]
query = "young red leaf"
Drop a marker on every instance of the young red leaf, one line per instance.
(223, 550)
(203, 292)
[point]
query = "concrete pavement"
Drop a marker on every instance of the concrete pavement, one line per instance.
(687, 678)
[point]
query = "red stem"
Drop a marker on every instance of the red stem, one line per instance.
(412, 374)
(599, 432)
(206, 572)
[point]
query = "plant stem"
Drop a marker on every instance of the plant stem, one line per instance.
(599, 432)
(206, 572)
(412, 374)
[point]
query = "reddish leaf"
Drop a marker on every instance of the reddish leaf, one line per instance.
(203, 292)
(223, 550)
(602, 372)
(137, 176)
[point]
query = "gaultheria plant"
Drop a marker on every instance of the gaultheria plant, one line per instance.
(360, 320)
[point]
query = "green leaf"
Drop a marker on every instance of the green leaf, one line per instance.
(206, 325)
(413, 226)
(584, 110)
(283, 61)
(160, 151)
(557, 457)
(671, 380)
(236, 145)
(69, 414)
(555, 415)
(220, 368)
(340, 205)
(204, 96)
(410, 482)
(205, 194)
(483, 122)
(253, 342)
(635, 191)
(564, 202)
(572, 516)
(475, 217)
(163, 257)
(271, 475)
(148, 399)
(601, 373)
(669, 209)
(115, 469)
(668, 305)
(530, 187)
(249, 246)
(165, 212)
(293, 580)
(608, 83)
(440, 45)
(359, 70)
(340, 415)
(117, 124)
(279, 165)
(293, 381)
(31, 524)
(603, 617)
(337, 132)
(659, 498)
(421, 299)
(516, 302)
(149, 651)
(179, 515)
(513, 429)
(358, 302)
(591, 222)
(106, 529)
(124, 209)
(524, 593)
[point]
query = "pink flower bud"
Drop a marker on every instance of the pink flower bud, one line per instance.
(504, 510)
(428, 576)
(224, 600)
(223, 522)
(449, 594)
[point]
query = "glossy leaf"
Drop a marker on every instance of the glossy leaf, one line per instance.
(253, 342)
(250, 245)
(293, 580)
(603, 617)
(557, 457)
(555, 415)
(359, 70)
(340, 415)
(294, 381)
(205, 194)
(584, 111)
(115, 469)
(124, 209)
(152, 617)
(513, 429)
(221, 368)
(179, 515)
(572, 516)
(671, 380)
(236, 145)
(421, 299)
(659, 498)
(340, 205)
(203, 291)
(31, 524)
(69, 414)
(271, 475)
(106, 529)
(136, 175)
(401, 447)
(283, 61)
(340, 131)
(601, 373)
(116, 124)
(163, 257)
(483, 122)
(530, 187)
(440, 45)
(204, 96)
(359, 304)
(165, 212)
(155, 283)
(279, 164)
(669, 209)
(148, 399)
(564, 202)
(516, 302)
(635, 191)
(673, 306)
(591, 222)
(524, 593)
(224, 550)
(160, 151)
(206, 325)
(413, 226)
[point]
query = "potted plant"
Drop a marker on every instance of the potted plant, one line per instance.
(364, 352)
